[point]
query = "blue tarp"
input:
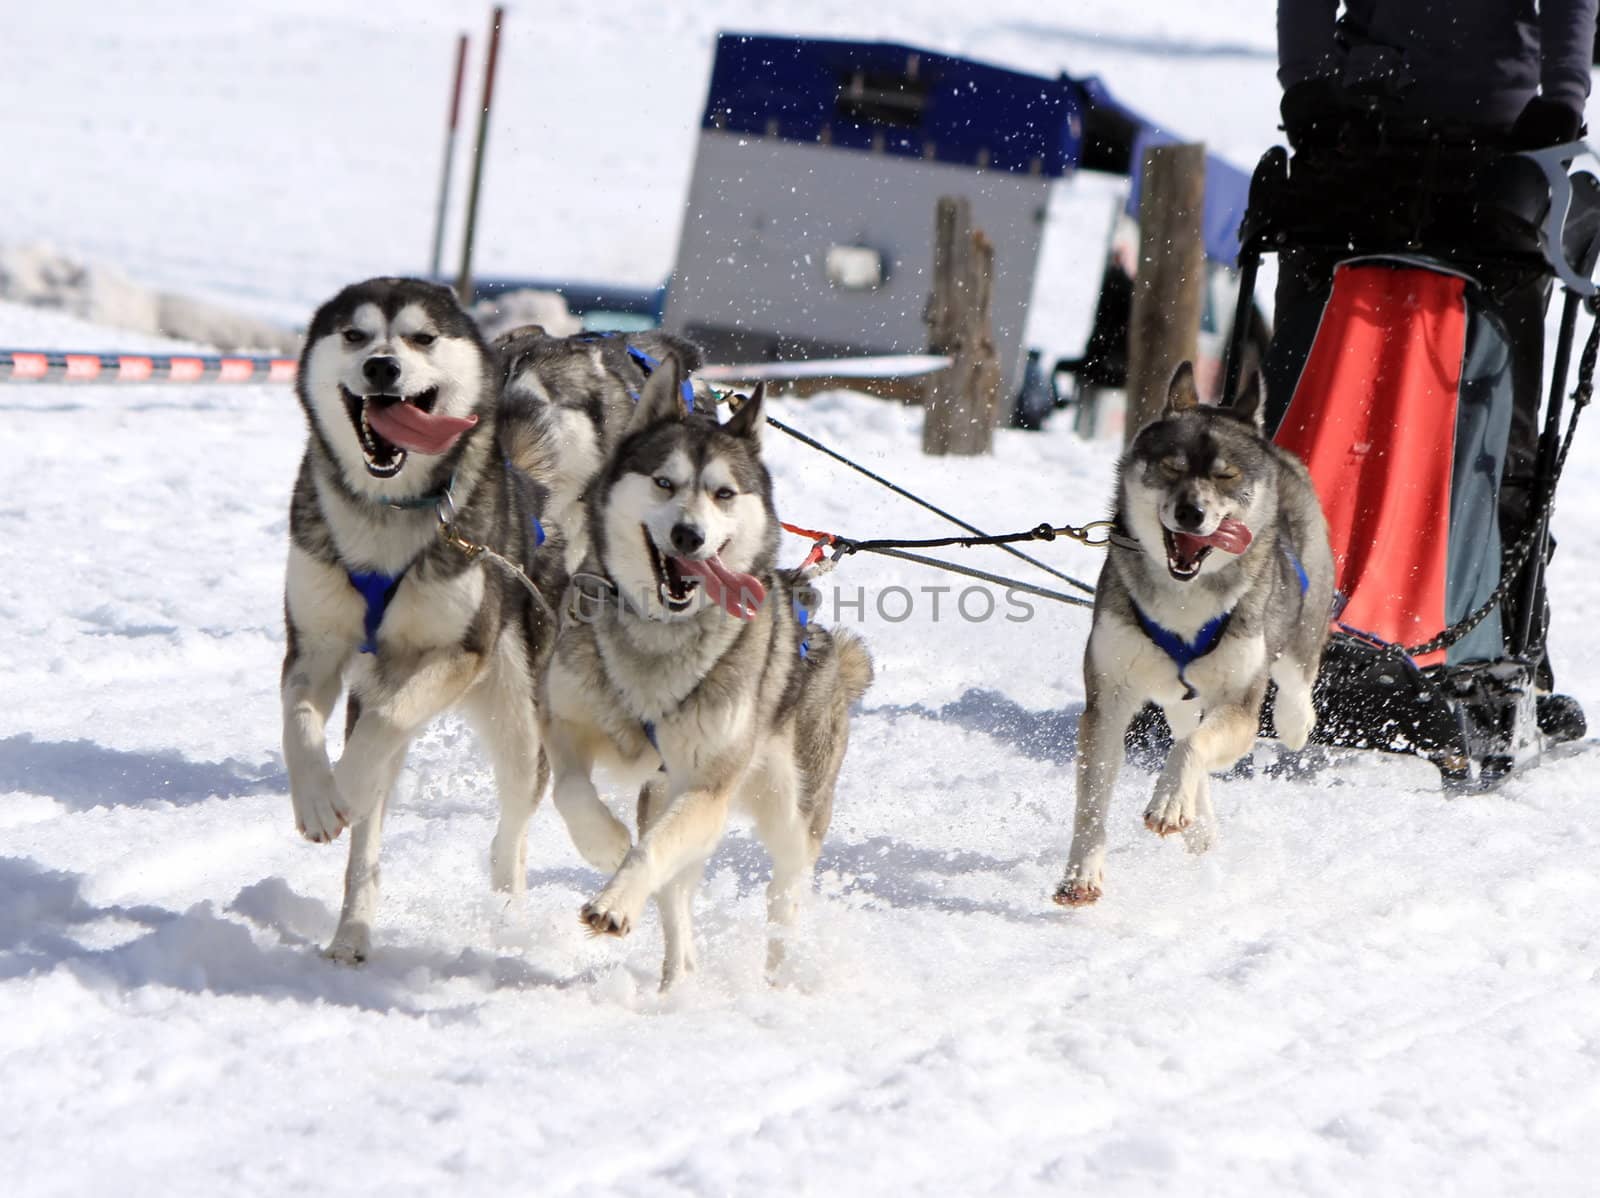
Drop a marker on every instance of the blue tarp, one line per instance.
(1227, 187)
(916, 103)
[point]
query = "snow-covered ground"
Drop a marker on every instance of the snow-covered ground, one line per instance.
(1365, 988)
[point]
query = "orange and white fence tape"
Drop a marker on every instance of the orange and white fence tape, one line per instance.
(77, 366)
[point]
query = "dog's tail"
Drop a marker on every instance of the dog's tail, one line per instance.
(855, 663)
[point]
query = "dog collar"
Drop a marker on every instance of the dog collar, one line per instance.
(1121, 537)
(1184, 653)
(432, 499)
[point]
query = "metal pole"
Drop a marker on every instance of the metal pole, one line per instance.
(449, 157)
(464, 280)
(1249, 263)
(1549, 449)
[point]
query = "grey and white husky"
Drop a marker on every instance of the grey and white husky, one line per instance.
(683, 661)
(581, 391)
(402, 399)
(1218, 579)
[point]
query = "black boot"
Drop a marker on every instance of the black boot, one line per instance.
(1561, 718)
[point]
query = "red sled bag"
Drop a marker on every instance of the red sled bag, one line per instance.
(1402, 415)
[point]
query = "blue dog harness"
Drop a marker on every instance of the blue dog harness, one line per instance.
(1186, 653)
(378, 589)
(649, 365)
(646, 362)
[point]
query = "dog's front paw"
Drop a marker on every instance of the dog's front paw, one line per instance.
(351, 946)
(318, 813)
(602, 920)
(1076, 894)
(1082, 885)
(1169, 812)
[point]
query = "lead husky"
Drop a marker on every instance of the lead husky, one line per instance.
(683, 660)
(401, 396)
(1219, 577)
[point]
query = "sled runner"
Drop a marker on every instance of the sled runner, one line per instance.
(1402, 411)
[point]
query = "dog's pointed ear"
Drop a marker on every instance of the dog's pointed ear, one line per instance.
(1181, 391)
(1251, 404)
(661, 398)
(747, 421)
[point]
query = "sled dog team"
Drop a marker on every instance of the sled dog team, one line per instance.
(558, 537)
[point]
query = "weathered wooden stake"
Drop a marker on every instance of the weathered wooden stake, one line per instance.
(449, 157)
(960, 404)
(1168, 290)
(464, 279)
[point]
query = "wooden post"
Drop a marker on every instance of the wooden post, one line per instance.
(1168, 290)
(961, 403)
(449, 157)
(464, 279)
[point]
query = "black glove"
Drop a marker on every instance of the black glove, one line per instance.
(1315, 113)
(1545, 123)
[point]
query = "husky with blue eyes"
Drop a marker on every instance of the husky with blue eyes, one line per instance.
(686, 664)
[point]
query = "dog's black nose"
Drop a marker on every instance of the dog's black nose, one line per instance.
(382, 372)
(1188, 515)
(686, 538)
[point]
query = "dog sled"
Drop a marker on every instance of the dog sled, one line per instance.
(1402, 410)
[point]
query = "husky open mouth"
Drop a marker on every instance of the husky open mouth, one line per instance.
(678, 578)
(391, 426)
(1186, 551)
(675, 587)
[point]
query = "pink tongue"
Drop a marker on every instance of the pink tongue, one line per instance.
(1231, 537)
(739, 595)
(409, 427)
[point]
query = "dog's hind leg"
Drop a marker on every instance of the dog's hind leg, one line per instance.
(676, 902)
(675, 898)
(352, 941)
(1100, 750)
(787, 834)
(502, 713)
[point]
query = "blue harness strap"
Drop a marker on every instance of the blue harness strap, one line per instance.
(377, 589)
(538, 528)
(1184, 653)
(1299, 570)
(648, 365)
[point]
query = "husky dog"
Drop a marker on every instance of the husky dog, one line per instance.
(402, 400)
(1218, 579)
(684, 660)
(581, 391)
